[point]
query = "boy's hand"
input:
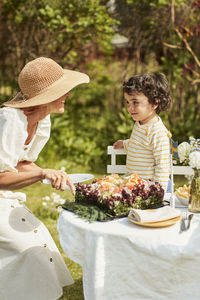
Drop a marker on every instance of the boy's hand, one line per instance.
(118, 144)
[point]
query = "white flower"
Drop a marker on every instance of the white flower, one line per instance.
(195, 160)
(57, 199)
(59, 209)
(184, 151)
(62, 201)
(46, 198)
(195, 143)
(44, 203)
(54, 195)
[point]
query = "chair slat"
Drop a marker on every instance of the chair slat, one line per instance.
(121, 169)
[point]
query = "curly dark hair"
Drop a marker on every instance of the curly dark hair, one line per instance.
(154, 86)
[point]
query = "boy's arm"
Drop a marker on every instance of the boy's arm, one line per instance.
(125, 144)
(161, 153)
(121, 144)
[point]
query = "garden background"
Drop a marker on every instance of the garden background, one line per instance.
(110, 41)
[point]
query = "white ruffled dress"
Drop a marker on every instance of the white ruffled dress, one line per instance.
(31, 267)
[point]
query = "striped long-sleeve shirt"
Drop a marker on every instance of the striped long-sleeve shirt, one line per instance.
(148, 152)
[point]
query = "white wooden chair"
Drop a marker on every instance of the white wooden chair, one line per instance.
(121, 169)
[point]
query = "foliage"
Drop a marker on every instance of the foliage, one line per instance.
(89, 213)
(77, 34)
(65, 30)
(144, 23)
(81, 135)
(74, 33)
(182, 71)
(169, 30)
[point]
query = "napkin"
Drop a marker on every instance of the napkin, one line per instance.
(154, 215)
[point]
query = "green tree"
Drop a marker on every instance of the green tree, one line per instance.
(168, 33)
(67, 31)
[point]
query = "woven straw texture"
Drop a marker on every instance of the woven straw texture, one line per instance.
(37, 75)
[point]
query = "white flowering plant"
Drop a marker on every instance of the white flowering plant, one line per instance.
(185, 149)
(194, 160)
(51, 206)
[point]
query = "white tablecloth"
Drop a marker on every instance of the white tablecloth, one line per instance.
(123, 261)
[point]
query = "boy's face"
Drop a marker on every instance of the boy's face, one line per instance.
(139, 107)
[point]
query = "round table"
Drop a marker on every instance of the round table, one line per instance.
(123, 261)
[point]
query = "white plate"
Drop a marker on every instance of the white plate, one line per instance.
(75, 178)
(159, 224)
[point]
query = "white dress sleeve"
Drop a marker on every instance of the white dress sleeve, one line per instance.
(13, 134)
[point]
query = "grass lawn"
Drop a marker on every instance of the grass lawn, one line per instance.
(35, 195)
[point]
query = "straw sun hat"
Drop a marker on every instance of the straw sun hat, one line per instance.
(42, 81)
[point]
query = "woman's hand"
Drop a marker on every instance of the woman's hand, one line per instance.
(59, 179)
(118, 144)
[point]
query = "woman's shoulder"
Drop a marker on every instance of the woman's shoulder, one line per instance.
(12, 115)
(44, 126)
(13, 123)
(13, 133)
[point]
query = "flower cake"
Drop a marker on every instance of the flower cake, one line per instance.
(117, 194)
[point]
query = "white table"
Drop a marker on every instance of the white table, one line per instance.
(123, 261)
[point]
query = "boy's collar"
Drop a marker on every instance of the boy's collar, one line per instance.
(151, 122)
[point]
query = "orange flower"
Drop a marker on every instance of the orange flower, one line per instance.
(134, 178)
(116, 176)
(105, 186)
(109, 180)
(130, 185)
(122, 185)
(117, 190)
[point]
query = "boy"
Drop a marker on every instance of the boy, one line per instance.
(148, 149)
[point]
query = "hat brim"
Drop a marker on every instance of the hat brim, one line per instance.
(67, 82)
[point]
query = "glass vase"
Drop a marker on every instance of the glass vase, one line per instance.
(194, 200)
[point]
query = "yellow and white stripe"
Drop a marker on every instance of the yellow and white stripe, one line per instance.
(148, 152)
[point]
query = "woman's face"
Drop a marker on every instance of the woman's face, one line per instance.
(58, 106)
(37, 113)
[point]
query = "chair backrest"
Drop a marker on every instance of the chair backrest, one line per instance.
(121, 169)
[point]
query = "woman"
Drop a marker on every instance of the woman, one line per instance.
(31, 266)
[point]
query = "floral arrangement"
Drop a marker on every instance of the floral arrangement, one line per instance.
(117, 194)
(189, 154)
(194, 160)
(194, 200)
(185, 149)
